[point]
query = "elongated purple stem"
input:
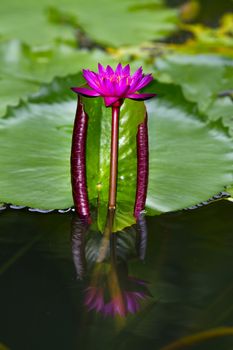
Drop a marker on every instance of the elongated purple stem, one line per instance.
(78, 163)
(142, 168)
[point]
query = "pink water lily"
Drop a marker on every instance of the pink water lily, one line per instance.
(115, 85)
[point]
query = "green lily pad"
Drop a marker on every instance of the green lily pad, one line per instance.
(29, 21)
(22, 70)
(229, 189)
(52, 122)
(204, 79)
(126, 22)
(201, 77)
(189, 161)
(112, 23)
(12, 90)
(222, 109)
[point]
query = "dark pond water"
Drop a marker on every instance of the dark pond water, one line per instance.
(188, 269)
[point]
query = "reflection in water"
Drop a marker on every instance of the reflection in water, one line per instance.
(78, 233)
(141, 236)
(113, 292)
(188, 263)
(102, 259)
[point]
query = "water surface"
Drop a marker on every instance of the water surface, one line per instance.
(188, 265)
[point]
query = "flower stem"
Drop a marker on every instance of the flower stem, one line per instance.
(112, 182)
(114, 156)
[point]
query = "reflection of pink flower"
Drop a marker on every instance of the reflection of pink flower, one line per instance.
(123, 303)
(115, 85)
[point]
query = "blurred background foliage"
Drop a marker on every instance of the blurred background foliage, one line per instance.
(52, 38)
(187, 45)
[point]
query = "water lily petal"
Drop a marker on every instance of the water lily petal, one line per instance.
(140, 97)
(123, 88)
(88, 75)
(137, 74)
(92, 80)
(109, 85)
(115, 89)
(134, 84)
(85, 92)
(118, 69)
(104, 87)
(101, 69)
(110, 100)
(144, 81)
(137, 79)
(109, 70)
(126, 70)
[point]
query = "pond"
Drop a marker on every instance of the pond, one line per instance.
(164, 283)
(188, 271)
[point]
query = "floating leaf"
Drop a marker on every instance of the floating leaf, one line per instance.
(134, 21)
(204, 79)
(43, 160)
(189, 162)
(222, 109)
(22, 70)
(11, 91)
(111, 23)
(29, 22)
